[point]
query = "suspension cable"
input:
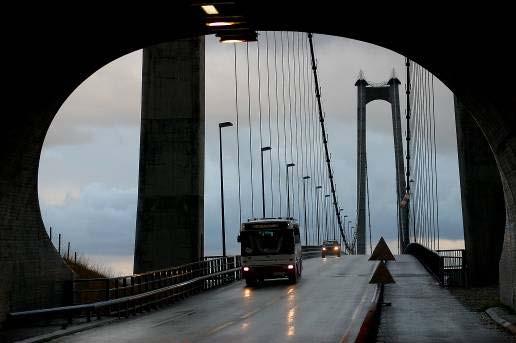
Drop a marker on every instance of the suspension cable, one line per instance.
(325, 141)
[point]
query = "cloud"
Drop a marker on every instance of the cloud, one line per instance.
(108, 98)
(99, 220)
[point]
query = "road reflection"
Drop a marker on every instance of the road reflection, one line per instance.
(247, 293)
(291, 314)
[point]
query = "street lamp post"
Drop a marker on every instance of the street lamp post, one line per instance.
(267, 148)
(350, 233)
(288, 189)
(334, 224)
(326, 196)
(317, 214)
(221, 125)
(344, 221)
(354, 240)
(304, 203)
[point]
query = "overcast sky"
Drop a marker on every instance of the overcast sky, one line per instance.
(88, 172)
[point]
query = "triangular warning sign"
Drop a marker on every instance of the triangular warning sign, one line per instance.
(381, 275)
(381, 252)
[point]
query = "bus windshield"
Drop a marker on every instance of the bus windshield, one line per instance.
(267, 242)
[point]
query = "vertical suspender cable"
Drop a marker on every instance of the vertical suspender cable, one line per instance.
(435, 167)
(238, 135)
(269, 119)
(250, 129)
(278, 149)
(260, 110)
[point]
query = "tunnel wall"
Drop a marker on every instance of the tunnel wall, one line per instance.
(170, 215)
(483, 204)
(32, 273)
(43, 66)
(498, 126)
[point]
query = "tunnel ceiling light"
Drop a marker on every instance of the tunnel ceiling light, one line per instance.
(209, 9)
(234, 36)
(222, 40)
(222, 23)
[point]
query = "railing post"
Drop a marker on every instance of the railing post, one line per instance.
(68, 292)
(465, 269)
(441, 271)
(107, 289)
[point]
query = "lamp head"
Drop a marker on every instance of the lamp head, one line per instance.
(225, 124)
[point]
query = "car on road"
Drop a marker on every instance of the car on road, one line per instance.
(330, 247)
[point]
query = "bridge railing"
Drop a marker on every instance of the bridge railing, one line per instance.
(454, 269)
(449, 267)
(130, 294)
(86, 291)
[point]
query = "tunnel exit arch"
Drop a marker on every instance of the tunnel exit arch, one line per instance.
(48, 68)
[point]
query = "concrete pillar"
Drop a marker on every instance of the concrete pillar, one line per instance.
(169, 224)
(483, 205)
(361, 165)
(394, 99)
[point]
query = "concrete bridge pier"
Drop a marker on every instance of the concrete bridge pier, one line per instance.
(498, 124)
(169, 224)
(483, 206)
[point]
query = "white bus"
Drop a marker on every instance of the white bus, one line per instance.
(270, 248)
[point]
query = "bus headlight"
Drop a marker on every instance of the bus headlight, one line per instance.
(290, 266)
(336, 248)
(246, 269)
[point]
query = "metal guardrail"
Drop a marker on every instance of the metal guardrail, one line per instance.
(453, 268)
(87, 291)
(449, 267)
(133, 293)
(148, 290)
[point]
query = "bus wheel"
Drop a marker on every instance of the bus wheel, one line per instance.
(250, 281)
(293, 277)
(323, 255)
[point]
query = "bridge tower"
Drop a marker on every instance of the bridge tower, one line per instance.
(169, 223)
(366, 93)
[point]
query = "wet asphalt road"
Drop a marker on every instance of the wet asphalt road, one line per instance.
(327, 304)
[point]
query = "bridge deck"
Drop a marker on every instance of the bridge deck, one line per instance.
(421, 311)
(323, 306)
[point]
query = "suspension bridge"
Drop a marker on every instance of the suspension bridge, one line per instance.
(338, 299)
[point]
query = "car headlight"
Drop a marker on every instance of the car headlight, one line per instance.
(246, 269)
(290, 266)
(336, 248)
(323, 249)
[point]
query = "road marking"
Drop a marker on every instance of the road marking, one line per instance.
(249, 314)
(220, 327)
(177, 316)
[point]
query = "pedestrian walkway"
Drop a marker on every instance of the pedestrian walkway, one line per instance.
(421, 311)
